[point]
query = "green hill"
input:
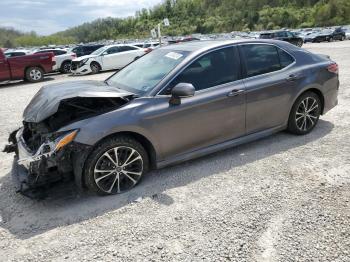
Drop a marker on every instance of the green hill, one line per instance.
(208, 16)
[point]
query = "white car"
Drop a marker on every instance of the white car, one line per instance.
(63, 59)
(106, 58)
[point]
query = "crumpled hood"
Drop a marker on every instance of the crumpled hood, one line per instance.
(45, 103)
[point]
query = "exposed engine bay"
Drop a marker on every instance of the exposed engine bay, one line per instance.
(69, 111)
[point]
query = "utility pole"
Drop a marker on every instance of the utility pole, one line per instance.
(159, 35)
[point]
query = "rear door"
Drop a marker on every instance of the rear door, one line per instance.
(269, 83)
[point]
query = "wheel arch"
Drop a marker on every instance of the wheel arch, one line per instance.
(29, 66)
(314, 90)
(96, 62)
(65, 61)
(80, 160)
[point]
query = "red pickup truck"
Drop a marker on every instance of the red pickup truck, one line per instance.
(29, 67)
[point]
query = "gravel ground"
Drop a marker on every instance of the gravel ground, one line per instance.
(283, 198)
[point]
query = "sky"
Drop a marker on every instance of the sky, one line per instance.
(49, 16)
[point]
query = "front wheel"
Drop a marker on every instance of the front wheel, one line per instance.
(304, 114)
(65, 67)
(95, 68)
(34, 74)
(300, 43)
(116, 165)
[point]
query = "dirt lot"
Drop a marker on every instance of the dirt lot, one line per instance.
(283, 198)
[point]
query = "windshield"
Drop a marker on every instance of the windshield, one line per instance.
(100, 50)
(145, 73)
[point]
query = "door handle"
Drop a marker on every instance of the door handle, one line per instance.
(235, 92)
(293, 77)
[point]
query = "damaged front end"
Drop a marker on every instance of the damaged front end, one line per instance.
(43, 154)
(36, 166)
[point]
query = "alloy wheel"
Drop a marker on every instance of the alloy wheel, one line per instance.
(118, 169)
(35, 74)
(307, 114)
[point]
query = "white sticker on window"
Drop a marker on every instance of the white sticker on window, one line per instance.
(173, 55)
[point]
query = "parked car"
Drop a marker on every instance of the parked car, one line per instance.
(329, 35)
(106, 58)
(63, 59)
(151, 45)
(13, 53)
(84, 49)
(347, 32)
(310, 37)
(283, 36)
(177, 103)
(29, 67)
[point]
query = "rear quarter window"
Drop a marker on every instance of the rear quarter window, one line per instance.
(285, 58)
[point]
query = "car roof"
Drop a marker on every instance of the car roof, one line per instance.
(209, 44)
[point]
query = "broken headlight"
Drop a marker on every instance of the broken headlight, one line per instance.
(58, 141)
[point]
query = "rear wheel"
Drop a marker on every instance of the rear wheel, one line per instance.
(300, 43)
(95, 68)
(304, 114)
(330, 39)
(34, 74)
(342, 38)
(116, 166)
(65, 67)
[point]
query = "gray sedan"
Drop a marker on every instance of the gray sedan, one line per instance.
(174, 104)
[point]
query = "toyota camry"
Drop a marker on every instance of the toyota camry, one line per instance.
(174, 104)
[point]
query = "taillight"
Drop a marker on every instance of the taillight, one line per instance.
(147, 50)
(333, 68)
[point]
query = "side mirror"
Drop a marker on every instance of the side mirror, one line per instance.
(181, 90)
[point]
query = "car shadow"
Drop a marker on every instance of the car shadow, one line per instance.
(24, 217)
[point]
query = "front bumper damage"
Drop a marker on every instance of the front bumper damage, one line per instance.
(32, 172)
(80, 68)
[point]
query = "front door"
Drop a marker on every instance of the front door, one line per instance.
(215, 114)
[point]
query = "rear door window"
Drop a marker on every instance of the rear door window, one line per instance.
(260, 59)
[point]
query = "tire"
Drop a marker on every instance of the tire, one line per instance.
(132, 164)
(300, 43)
(342, 38)
(95, 68)
(330, 39)
(34, 74)
(301, 120)
(65, 67)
